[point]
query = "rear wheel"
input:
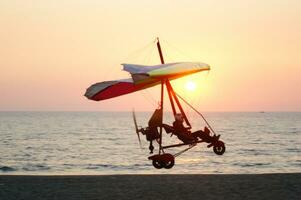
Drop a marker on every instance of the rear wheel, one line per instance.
(158, 164)
(166, 161)
(169, 164)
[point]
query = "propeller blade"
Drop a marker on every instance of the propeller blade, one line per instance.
(136, 127)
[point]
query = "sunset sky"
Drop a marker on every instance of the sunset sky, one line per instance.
(51, 51)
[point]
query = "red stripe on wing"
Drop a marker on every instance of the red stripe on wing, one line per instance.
(116, 90)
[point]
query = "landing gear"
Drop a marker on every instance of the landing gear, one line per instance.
(165, 160)
(151, 147)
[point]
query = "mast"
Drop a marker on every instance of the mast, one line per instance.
(160, 51)
(174, 96)
(162, 95)
(171, 94)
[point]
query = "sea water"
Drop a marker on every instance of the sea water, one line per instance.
(106, 143)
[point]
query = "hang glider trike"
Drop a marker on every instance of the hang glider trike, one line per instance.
(143, 77)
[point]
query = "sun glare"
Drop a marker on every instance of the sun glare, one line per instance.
(190, 86)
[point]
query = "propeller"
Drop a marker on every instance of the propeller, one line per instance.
(136, 127)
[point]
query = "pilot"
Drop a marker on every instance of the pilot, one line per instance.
(182, 132)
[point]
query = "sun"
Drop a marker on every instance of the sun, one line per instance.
(190, 85)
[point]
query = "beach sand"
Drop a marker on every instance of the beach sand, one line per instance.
(253, 186)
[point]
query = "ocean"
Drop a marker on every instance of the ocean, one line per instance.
(59, 143)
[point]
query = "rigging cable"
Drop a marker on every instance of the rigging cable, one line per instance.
(196, 112)
(180, 52)
(139, 51)
(146, 94)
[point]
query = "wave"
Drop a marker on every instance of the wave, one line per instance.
(293, 150)
(37, 167)
(251, 164)
(121, 167)
(7, 169)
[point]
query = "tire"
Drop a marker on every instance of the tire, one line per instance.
(219, 149)
(158, 164)
(169, 164)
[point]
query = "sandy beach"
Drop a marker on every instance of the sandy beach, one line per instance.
(263, 186)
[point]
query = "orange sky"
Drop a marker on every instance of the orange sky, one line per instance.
(51, 51)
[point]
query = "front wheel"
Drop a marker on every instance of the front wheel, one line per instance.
(219, 149)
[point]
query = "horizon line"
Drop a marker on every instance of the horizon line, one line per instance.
(125, 111)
